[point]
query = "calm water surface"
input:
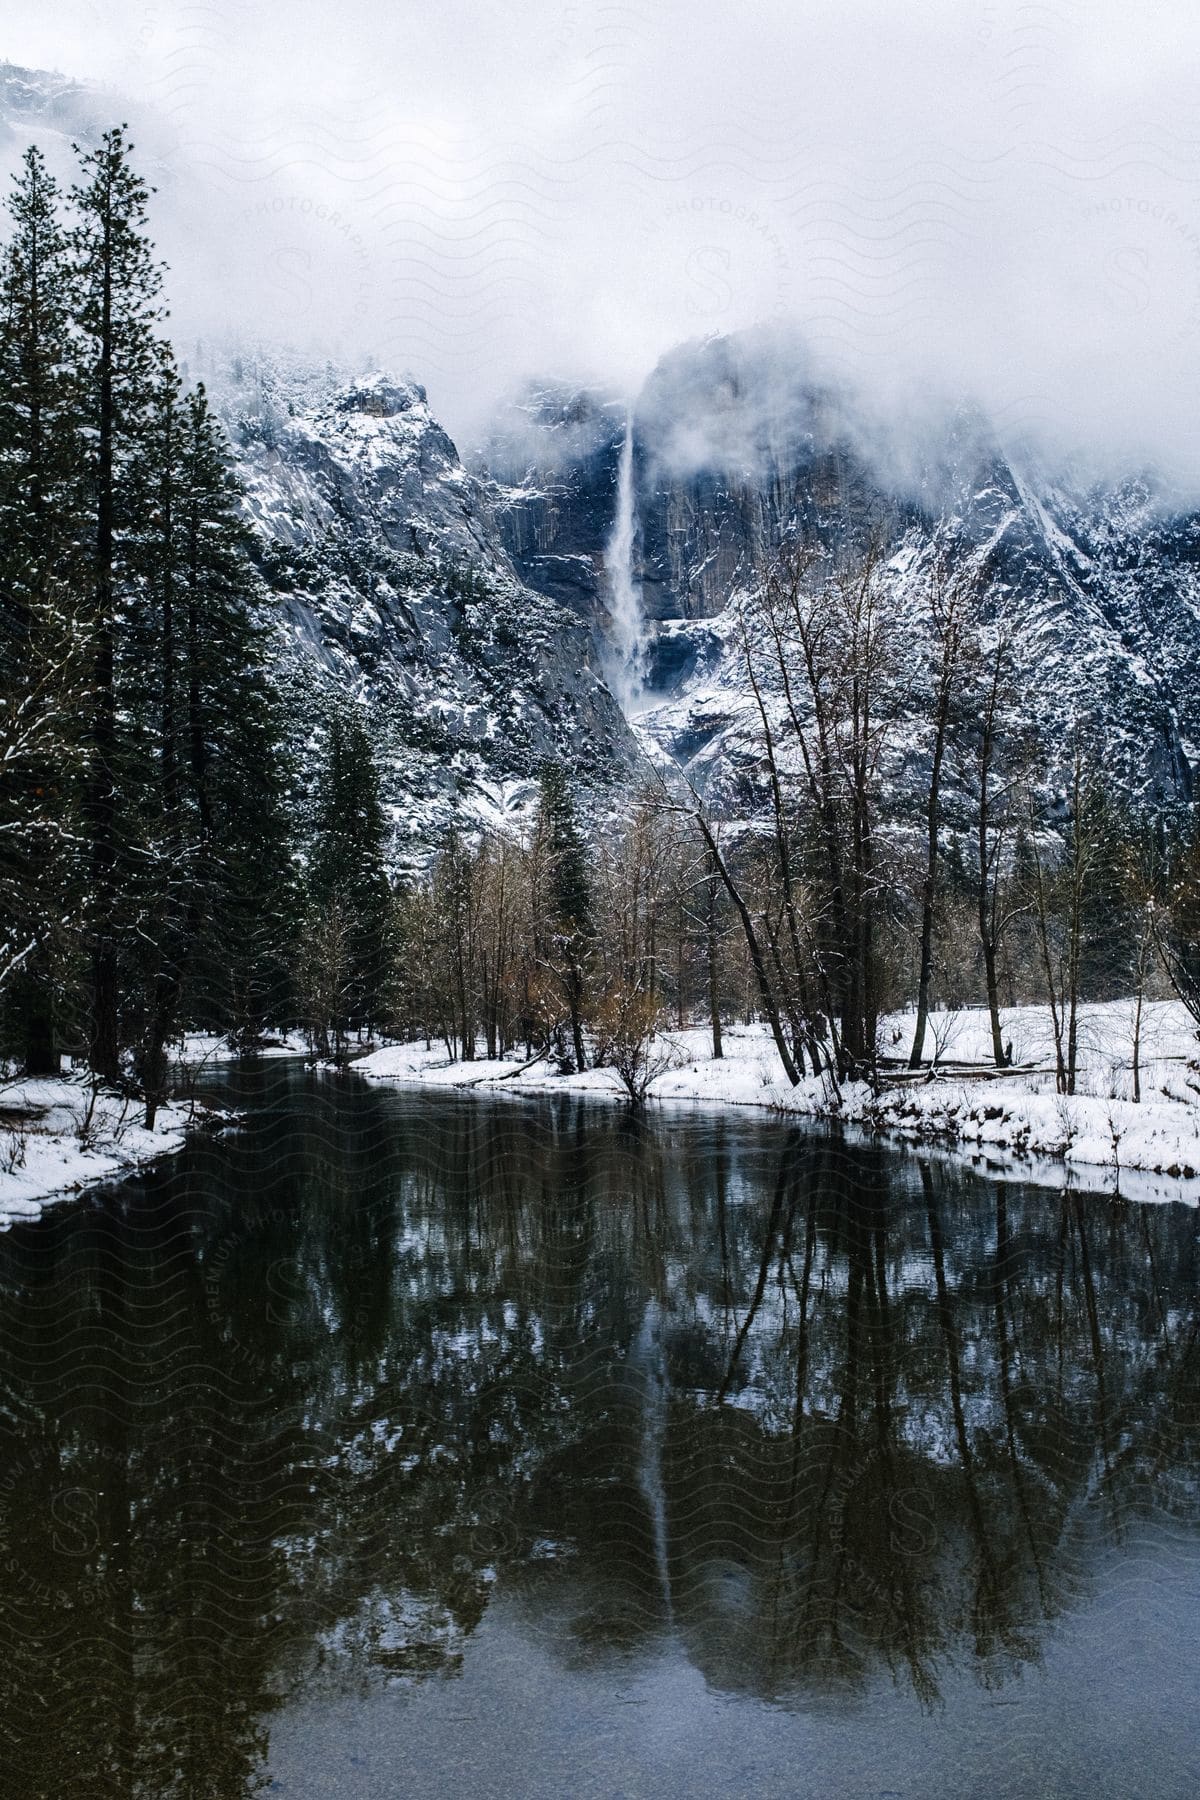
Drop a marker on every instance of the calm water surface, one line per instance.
(405, 1445)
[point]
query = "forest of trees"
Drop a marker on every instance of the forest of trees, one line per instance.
(900, 836)
(144, 810)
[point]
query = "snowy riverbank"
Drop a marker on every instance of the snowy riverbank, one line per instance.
(1012, 1122)
(60, 1135)
(57, 1137)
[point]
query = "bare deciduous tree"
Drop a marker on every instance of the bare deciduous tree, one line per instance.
(952, 598)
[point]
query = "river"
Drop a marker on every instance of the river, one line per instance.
(405, 1443)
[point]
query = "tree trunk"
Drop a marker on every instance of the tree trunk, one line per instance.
(1137, 1027)
(928, 894)
(33, 993)
(987, 938)
(575, 1000)
(763, 980)
(993, 1001)
(714, 1009)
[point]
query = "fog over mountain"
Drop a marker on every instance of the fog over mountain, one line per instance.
(993, 203)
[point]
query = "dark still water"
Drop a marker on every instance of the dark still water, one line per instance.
(412, 1445)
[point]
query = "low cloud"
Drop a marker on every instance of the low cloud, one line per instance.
(993, 201)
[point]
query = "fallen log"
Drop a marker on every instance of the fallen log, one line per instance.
(960, 1072)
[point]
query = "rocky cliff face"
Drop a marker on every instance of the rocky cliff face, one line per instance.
(737, 446)
(550, 468)
(394, 588)
(35, 104)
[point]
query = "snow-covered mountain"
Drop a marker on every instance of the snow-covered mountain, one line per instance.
(393, 588)
(736, 445)
(36, 104)
(392, 584)
(471, 608)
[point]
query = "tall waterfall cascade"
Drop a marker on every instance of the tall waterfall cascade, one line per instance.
(627, 672)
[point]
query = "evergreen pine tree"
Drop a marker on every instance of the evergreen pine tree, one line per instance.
(40, 662)
(136, 710)
(237, 772)
(117, 311)
(570, 896)
(163, 879)
(348, 869)
(214, 873)
(454, 890)
(39, 437)
(1109, 930)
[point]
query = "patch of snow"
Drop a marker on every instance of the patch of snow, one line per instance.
(58, 1136)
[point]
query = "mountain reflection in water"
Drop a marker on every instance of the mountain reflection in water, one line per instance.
(282, 1422)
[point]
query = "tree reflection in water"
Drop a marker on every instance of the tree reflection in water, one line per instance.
(284, 1416)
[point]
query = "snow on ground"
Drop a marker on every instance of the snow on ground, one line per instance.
(1013, 1122)
(58, 1135)
(199, 1049)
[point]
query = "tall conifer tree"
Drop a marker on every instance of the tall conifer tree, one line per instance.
(569, 895)
(117, 313)
(236, 771)
(347, 867)
(40, 628)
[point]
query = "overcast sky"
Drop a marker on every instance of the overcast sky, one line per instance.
(975, 195)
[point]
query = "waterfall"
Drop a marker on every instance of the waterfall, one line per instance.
(652, 1360)
(624, 594)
